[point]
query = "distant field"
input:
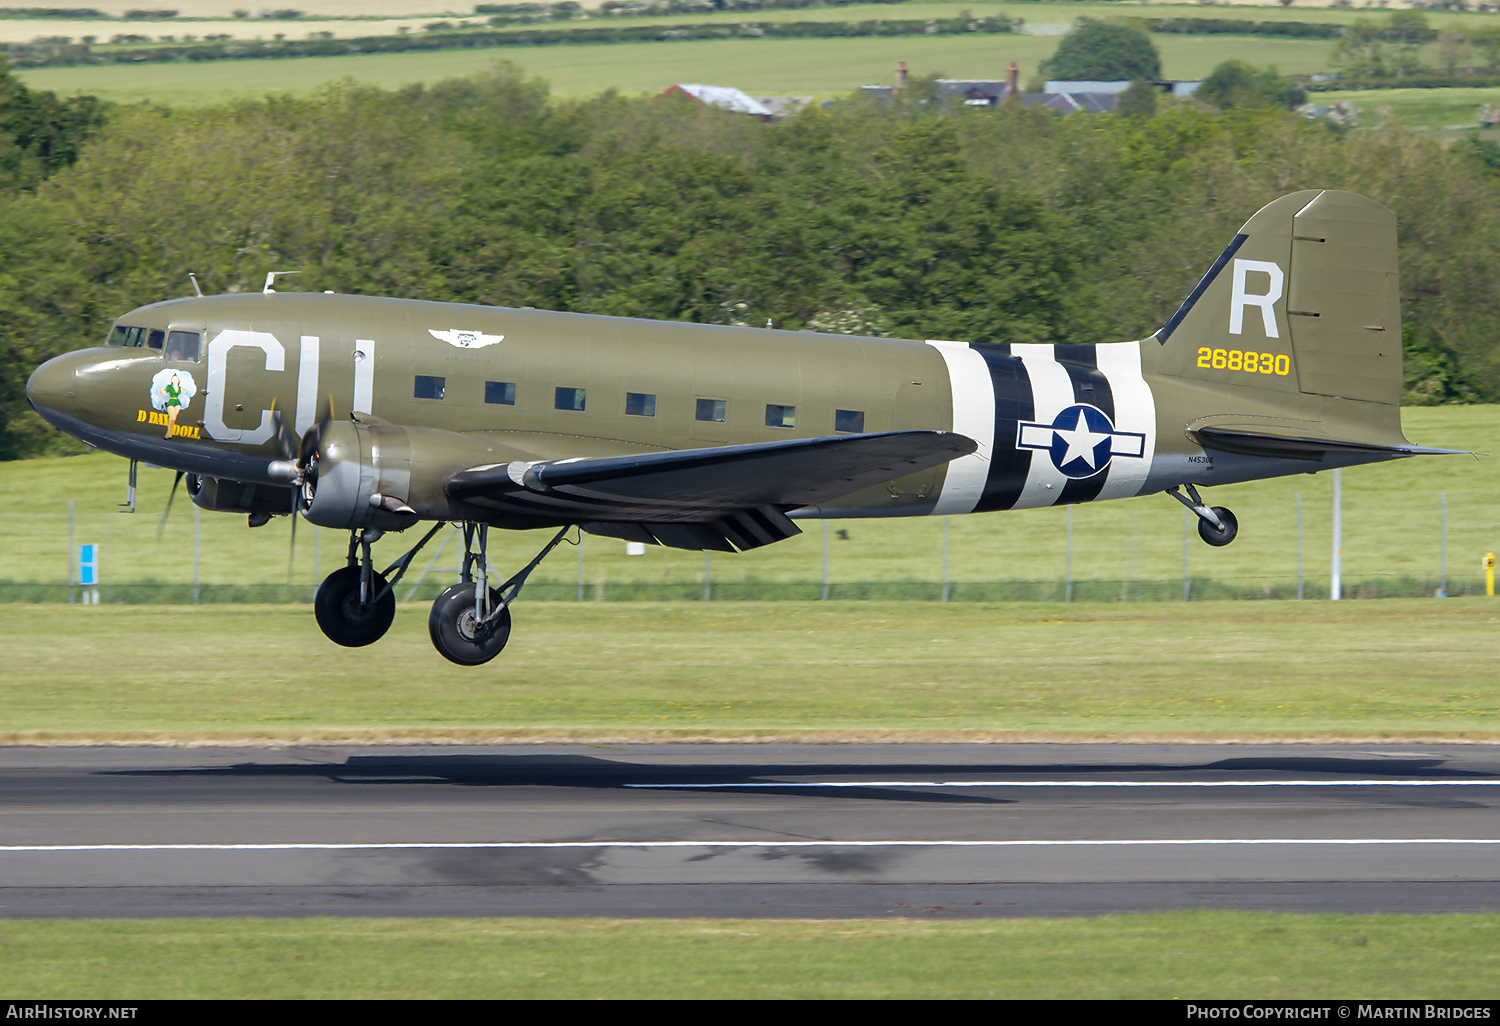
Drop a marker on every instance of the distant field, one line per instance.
(820, 68)
(763, 67)
(1417, 108)
(225, 8)
(1042, 12)
(1306, 10)
(13, 30)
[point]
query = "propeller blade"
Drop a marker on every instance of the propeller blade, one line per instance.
(287, 441)
(299, 455)
(288, 465)
(162, 523)
(291, 556)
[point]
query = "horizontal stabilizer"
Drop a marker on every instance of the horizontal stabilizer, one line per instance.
(702, 485)
(1300, 447)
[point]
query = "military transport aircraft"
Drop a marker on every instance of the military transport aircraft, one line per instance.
(374, 415)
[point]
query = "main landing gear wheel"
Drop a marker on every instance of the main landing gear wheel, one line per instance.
(345, 619)
(457, 631)
(1222, 535)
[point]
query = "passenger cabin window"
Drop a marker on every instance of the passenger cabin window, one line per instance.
(712, 410)
(640, 404)
(571, 398)
(849, 420)
(781, 416)
(182, 346)
(429, 387)
(500, 393)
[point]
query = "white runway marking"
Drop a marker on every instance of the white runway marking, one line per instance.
(750, 843)
(1085, 783)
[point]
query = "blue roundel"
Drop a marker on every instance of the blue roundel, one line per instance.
(1082, 441)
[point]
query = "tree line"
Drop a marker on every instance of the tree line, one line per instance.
(907, 219)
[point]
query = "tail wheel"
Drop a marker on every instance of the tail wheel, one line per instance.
(457, 632)
(1223, 535)
(344, 618)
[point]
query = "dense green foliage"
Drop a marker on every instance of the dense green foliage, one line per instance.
(1237, 83)
(1104, 52)
(1012, 225)
(1385, 49)
(1243, 27)
(40, 133)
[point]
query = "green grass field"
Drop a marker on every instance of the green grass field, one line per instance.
(1161, 956)
(1416, 108)
(814, 671)
(1264, 669)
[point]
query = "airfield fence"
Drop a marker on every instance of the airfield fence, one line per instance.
(1199, 590)
(1131, 551)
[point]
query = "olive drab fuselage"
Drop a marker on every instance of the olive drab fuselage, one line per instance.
(372, 413)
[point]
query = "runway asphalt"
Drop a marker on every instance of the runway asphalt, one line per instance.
(938, 831)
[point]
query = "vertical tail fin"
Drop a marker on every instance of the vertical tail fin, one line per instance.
(1296, 328)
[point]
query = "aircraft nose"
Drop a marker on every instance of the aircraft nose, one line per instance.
(52, 386)
(52, 380)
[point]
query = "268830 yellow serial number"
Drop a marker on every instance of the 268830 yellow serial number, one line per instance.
(1250, 363)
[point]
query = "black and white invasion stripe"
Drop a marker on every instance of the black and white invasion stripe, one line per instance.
(997, 388)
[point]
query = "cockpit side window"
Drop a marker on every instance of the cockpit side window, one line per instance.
(124, 335)
(182, 346)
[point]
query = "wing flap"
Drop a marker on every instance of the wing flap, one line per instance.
(702, 485)
(734, 532)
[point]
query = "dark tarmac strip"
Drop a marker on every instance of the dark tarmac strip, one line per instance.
(928, 831)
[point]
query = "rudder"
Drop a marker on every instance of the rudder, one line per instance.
(1344, 301)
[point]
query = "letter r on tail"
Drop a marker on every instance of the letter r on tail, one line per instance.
(1239, 299)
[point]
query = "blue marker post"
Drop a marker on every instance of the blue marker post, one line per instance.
(88, 573)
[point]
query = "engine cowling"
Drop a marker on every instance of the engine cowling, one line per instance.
(221, 495)
(358, 475)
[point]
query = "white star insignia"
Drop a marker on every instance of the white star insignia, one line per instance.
(1081, 441)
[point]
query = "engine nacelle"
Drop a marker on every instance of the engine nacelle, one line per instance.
(224, 496)
(358, 475)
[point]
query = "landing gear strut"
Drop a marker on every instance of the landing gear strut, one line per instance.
(1216, 525)
(356, 603)
(470, 622)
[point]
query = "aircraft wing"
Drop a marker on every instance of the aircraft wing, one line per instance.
(706, 498)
